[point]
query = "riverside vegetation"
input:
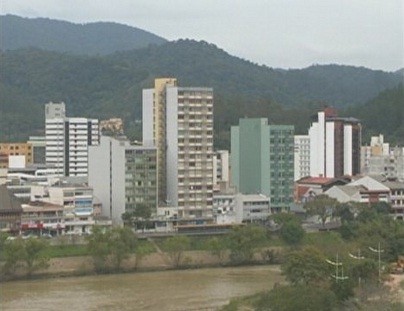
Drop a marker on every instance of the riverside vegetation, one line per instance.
(361, 227)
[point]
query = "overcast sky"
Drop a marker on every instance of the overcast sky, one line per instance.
(277, 33)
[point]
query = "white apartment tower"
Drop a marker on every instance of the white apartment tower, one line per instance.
(302, 156)
(67, 141)
(179, 122)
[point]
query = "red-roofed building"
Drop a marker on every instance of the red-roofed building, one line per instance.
(310, 187)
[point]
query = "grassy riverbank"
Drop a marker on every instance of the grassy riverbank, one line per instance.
(75, 259)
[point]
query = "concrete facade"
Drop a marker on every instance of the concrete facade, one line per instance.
(182, 130)
(302, 156)
(128, 176)
(67, 142)
(262, 160)
(334, 145)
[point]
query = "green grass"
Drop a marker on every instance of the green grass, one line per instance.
(81, 250)
(66, 251)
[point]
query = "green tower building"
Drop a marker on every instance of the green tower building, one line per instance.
(262, 160)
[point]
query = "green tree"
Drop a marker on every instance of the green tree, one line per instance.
(140, 252)
(12, 253)
(322, 206)
(99, 248)
(306, 266)
(34, 255)
(29, 254)
(297, 297)
(109, 247)
(243, 241)
(217, 247)
(121, 243)
(292, 233)
(175, 248)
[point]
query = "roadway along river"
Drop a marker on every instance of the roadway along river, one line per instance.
(202, 289)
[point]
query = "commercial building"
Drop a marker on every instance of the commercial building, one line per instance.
(262, 160)
(76, 201)
(23, 150)
(67, 141)
(123, 176)
(179, 122)
(334, 145)
(302, 156)
(237, 208)
(380, 159)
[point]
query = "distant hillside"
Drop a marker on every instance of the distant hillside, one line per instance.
(384, 114)
(105, 86)
(53, 35)
(201, 63)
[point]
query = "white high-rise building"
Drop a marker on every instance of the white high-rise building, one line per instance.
(67, 142)
(55, 110)
(334, 145)
(302, 156)
(179, 122)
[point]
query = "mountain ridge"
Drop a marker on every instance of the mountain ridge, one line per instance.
(55, 35)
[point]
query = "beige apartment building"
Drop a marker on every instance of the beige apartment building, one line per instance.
(179, 122)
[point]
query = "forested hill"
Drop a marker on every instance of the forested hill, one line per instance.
(106, 86)
(201, 63)
(94, 38)
(383, 115)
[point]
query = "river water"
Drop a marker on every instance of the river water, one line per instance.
(200, 289)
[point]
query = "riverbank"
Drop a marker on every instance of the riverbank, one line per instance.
(156, 261)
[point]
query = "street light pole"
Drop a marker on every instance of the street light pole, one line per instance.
(378, 251)
(358, 257)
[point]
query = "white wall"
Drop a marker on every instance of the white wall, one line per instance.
(348, 149)
(147, 117)
(107, 176)
(317, 141)
(172, 144)
(329, 146)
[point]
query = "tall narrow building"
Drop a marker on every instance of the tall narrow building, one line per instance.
(179, 122)
(302, 156)
(154, 127)
(262, 160)
(67, 141)
(334, 145)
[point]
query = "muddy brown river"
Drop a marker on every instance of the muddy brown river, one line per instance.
(202, 289)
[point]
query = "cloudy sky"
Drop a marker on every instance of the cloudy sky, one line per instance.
(278, 33)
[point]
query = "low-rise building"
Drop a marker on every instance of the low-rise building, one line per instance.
(10, 211)
(77, 203)
(307, 188)
(43, 218)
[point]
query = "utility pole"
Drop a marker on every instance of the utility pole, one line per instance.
(378, 251)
